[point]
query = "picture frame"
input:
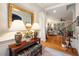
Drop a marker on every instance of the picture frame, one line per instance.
(12, 9)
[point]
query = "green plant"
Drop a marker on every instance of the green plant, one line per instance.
(28, 34)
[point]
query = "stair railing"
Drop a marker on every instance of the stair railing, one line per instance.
(65, 35)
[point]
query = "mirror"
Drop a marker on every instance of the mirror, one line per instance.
(18, 13)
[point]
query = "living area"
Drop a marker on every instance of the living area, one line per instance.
(39, 29)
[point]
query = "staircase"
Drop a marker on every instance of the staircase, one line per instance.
(68, 38)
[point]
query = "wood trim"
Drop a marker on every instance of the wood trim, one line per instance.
(9, 15)
(10, 6)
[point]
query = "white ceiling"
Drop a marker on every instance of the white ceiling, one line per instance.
(61, 11)
(47, 5)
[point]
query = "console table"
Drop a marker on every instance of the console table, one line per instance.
(31, 48)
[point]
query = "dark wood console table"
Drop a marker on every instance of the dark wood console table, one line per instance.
(24, 46)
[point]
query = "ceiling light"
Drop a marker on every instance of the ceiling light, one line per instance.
(54, 11)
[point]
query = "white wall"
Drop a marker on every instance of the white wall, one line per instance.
(42, 21)
(3, 17)
(77, 9)
(4, 49)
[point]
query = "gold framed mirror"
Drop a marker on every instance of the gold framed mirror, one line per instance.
(25, 15)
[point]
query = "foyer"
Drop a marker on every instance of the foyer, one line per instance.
(30, 29)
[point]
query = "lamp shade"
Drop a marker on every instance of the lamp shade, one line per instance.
(17, 25)
(36, 27)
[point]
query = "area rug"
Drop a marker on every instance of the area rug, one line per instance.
(52, 52)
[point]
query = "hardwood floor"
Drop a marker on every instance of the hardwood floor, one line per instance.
(55, 43)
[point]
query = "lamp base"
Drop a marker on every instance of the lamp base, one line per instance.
(35, 34)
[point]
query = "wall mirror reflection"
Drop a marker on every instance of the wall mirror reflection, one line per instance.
(18, 13)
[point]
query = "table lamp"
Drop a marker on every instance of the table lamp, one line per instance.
(36, 29)
(28, 26)
(17, 26)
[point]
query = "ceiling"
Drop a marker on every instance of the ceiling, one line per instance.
(47, 5)
(61, 10)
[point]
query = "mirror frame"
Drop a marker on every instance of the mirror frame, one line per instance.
(10, 6)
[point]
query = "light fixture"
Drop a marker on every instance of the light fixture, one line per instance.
(54, 11)
(36, 28)
(17, 26)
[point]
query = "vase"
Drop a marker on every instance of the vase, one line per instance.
(18, 38)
